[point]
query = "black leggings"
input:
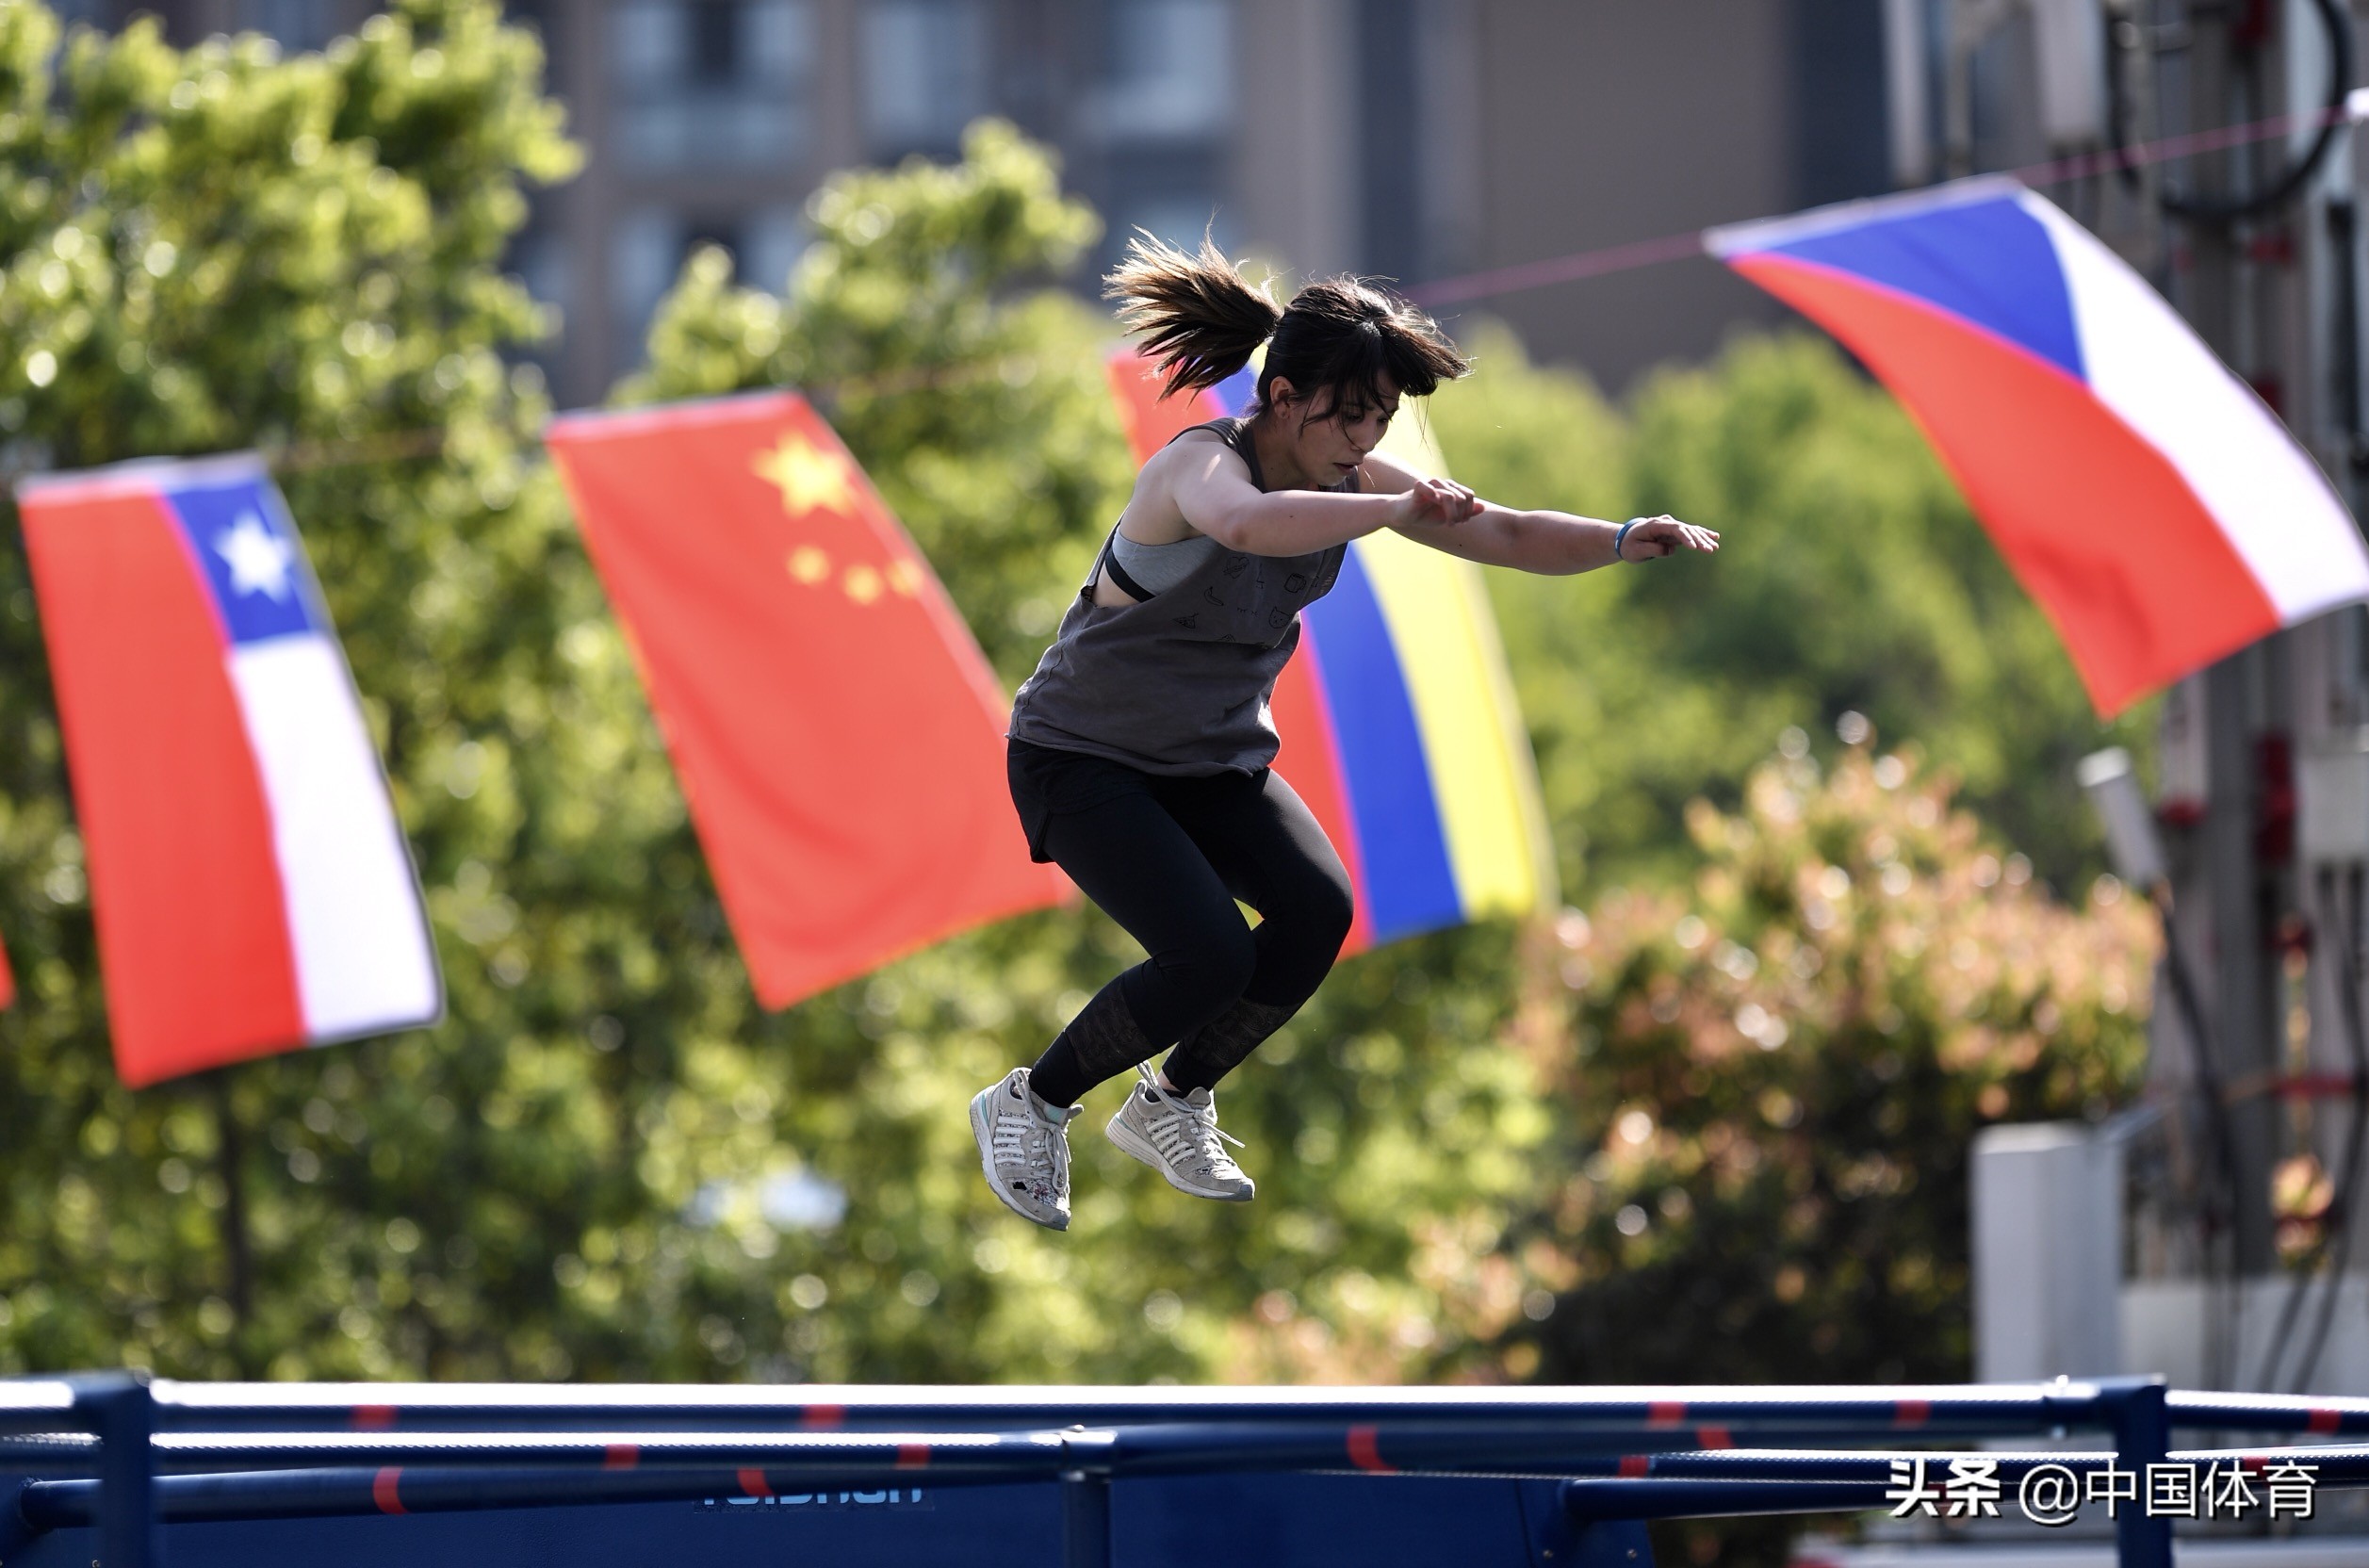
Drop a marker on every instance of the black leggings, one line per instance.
(1167, 858)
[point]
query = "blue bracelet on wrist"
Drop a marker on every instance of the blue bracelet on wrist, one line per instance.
(1620, 537)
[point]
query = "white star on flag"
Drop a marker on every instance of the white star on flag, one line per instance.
(259, 559)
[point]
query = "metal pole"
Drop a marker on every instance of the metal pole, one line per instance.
(1085, 1519)
(2142, 1436)
(117, 1408)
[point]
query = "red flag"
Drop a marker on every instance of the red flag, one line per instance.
(838, 732)
(8, 981)
(250, 885)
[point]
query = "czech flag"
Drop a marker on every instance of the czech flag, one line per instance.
(838, 734)
(251, 888)
(1397, 716)
(2159, 513)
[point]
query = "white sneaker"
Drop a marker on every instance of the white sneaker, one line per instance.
(1177, 1136)
(1026, 1157)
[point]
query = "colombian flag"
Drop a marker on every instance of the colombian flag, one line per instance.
(1397, 717)
(836, 730)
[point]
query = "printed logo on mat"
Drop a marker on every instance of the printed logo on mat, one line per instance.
(903, 1499)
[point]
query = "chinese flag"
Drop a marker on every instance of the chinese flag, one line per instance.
(838, 732)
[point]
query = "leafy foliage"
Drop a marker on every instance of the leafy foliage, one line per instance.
(1775, 1074)
(606, 1162)
(216, 248)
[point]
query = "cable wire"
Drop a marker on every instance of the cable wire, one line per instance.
(2223, 210)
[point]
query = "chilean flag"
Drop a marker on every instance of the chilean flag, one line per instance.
(251, 888)
(2159, 513)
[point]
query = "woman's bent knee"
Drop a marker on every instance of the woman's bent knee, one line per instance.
(1214, 967)
(1320, 917)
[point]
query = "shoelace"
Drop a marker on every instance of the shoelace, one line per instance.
(1025, 1136)
(1201, 1119)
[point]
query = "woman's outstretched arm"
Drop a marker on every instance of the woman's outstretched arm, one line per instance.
(1553, 543)
(1213, 493)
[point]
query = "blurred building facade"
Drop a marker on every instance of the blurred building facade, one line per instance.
(1413, 138)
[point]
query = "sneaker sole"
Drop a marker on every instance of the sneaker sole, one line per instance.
(986, 1162)
(1132, 1144)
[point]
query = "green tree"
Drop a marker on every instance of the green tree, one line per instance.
(1766, 1083)
(215, 248)
(1851, 577)
(1775, 1074)
(585, 1170)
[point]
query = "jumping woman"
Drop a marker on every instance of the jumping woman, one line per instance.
(1140, 750)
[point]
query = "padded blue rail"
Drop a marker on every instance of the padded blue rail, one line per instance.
(115, 1469)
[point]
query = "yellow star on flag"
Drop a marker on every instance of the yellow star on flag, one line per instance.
(809, 478)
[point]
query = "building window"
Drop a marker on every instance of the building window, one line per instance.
(540, 257)
(770, 241)
(649, 245)
(925, 73)
(1171, 75)
(712, 84)
(644, 252)
(295, 25)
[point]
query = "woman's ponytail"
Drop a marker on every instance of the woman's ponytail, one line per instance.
(1196, 316)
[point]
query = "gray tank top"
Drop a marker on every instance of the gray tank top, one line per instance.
(1178, 682)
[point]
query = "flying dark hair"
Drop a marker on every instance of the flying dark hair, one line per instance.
(1200, 320)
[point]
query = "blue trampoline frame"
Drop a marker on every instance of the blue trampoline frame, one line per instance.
(116, 1452)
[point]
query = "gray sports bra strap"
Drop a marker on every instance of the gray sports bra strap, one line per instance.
(1109, 562)
(1235, 433)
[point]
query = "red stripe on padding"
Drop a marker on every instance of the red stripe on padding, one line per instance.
(1309, 762)
(374, 1418)
(2324, 1420)
(753, 1484)
(912, 1456)
(1714, 1437)
(1364, 1447)
(622, 1456)
(385, 1491)
(2099, 526)
(184, 881)
(822, 1417)
(1911, 1412)
(1634, 1465)
(1665, 1413)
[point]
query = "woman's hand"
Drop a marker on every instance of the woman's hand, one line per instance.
(1655, 538)
(1434, 500)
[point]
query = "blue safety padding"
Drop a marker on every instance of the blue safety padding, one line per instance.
(1193, 1522)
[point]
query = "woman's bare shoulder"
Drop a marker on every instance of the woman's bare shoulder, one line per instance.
(1152, 514)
